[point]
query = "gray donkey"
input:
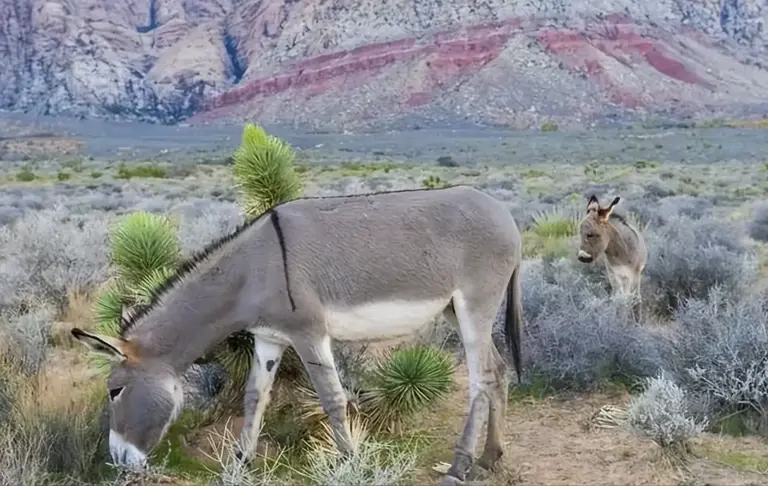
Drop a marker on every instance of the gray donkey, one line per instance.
(604, 233)
(349, 268)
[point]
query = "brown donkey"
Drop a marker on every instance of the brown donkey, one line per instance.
(604, 233)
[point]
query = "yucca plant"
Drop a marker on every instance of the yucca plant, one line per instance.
(557, 223)
(265, 175)
(311, 411)
(405, 381)
(264, 171)
(142, 245)
(552, 233)
(145, 251)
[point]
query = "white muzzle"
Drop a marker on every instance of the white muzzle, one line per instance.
(124, 453)
(584, 254)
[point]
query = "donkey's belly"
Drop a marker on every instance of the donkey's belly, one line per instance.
(382, 320)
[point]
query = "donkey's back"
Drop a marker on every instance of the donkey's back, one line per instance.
(396, 257)
(633, 249)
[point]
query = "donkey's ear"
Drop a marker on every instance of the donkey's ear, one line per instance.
(593, 203)
(113, 348)
(604, 214)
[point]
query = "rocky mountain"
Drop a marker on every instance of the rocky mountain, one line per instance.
(351, 64)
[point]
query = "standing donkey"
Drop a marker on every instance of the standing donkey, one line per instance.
(315, 269)
(605, 233)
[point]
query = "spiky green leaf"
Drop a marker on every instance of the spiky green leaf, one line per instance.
(145, 289)
(142, 243)
(107, 310)
(406, 381)
(264, 171)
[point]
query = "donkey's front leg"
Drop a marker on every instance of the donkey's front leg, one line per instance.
(317, 357)
(266, 356)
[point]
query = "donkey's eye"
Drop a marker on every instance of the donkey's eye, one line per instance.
(114, 393)
(591, 235)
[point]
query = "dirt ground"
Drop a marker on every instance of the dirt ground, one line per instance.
(550, 442)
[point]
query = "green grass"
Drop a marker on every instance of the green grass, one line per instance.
(646, 164)
(25, 175)
(75, 165)
(549, 127)
(555, 224)
(144, 171)
(365, 168)
(170, 451)
(434, 182)
(742, 461)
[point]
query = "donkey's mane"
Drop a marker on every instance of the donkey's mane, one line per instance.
(620, 217)
(188, 265)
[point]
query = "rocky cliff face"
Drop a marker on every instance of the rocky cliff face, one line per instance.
(337, 64)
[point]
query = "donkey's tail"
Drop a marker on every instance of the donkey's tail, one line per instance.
(513, 321)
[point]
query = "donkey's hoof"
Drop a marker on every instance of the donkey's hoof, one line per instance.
(242, 459)
(490, 459)
(449, 480)
(478, 473)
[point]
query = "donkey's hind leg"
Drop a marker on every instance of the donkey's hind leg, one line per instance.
(493, 449)
(475, 316)
(319, 363)
(267, 356)
(498, 396)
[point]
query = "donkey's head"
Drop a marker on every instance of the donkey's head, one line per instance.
(145, 397)
(594, 230)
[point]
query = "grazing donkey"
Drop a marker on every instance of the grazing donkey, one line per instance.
(314, 269)
(603, 232)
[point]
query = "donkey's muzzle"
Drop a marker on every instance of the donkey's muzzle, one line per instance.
(585, 257)
(124, 453)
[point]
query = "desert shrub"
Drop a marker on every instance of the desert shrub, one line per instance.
(687, 258)
(47, 253)
(758, 225)
(662, 413)
(576, 336)
(25, 175)
(148, 170)
(26, 337)
(721, 342)
(202, 221)
(405, 381)
(45, 441)
(549, 127)
(433, 182)
(231, 471)
(669, 208)
(9, 214)
(375, 462)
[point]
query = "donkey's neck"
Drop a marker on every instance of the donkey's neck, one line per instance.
(616, 247)
(208, 304)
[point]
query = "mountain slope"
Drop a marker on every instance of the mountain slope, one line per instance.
(333, 64)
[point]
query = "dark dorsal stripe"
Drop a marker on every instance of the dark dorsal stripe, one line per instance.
(619, 217)
(281, 241)
(189, 265)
